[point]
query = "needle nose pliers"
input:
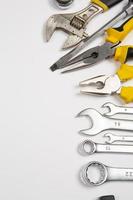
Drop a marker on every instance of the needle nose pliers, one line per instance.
(109, 49)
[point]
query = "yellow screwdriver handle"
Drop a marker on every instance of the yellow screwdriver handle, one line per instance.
(127, 94)
(115, 35)
(123, 53)
(125, 72)
(106, 4)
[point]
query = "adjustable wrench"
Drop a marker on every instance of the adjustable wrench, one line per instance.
(99, 123)
(118, 138)
(75, 23)
(106, 174)
(114, 109)
(89, 147)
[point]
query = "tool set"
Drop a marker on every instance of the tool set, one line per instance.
(62, 62)
(75, 24)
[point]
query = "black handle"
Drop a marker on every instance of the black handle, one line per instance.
(110, 3)
(109, 197)
(129, 54)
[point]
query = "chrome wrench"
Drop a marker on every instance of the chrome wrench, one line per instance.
(89, 147)
(114, 109)
(99, 123)
(106, 174)
(118, 138)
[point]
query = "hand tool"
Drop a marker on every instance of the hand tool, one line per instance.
(127, 11)
(108, 197)
(118, 138)
(107, 50)
(75, 23)
(109, 85)
(105, 173)
(115, 109)
(89, 147)
(100, 123)
(64, 4)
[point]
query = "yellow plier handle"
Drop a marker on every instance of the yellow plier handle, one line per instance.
(106, 4)
(126, 73)
(115, 35)
(123, 53)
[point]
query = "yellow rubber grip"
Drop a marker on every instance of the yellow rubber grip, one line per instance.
(125, 72)
(121, 53)
(127, 94)
(115, 35)
(101, 4)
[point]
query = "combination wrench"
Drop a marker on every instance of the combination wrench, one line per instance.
(117, 138)
(105, 173)
(89, 147)
(114, 109)
(99, 123)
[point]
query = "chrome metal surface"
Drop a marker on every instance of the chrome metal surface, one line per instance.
(112, 138)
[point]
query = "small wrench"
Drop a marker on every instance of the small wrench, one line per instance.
(118, 138)
(99, 123)
(114, 109)
(89, 147)
(105, 174)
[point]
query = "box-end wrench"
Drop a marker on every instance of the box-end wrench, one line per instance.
(89, 147)
(112, 138)
(105, 173)
(114, 109)
(100, 123)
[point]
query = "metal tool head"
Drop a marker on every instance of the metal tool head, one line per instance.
(87, 147)
(98, 122)
(100, 177)
(63, 21)
(112, 109)
(101, 85)
(90, 57)
(111, 138)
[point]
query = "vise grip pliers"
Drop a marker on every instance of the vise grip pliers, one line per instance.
(109, 49)
(75, 23)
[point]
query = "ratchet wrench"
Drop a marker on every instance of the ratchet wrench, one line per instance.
(89, 147)
(106, 174)
(118, 138)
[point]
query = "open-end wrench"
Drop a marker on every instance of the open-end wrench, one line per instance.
(100, 123)
(118, 138)
(89, 147)
(62, 62)
(106, 174)
(114, 109)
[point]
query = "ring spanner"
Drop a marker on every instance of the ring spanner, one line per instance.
(89, 147)
(100, 123)
(105, 174)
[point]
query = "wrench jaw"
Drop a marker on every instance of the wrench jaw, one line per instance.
(110, 137)
(96, 119)
(85, 174)
(112, 109)
(51, 26)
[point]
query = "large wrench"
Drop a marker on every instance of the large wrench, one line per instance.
(100, 123)
(105, 174)
(118, 138)
(114, 109)
(89, 147)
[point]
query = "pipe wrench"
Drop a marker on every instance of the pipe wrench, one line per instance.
(75, 23)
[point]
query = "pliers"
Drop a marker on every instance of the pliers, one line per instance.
(109, 49)
(108, 85)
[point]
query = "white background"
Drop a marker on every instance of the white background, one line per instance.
(38, 130)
